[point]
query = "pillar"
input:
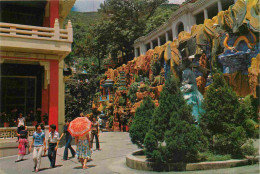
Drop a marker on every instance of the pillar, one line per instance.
(219, 6)
(235, 1)
(136, 52)
(54, 93)
(45, 101)
(167, 36)
(173, 32)
(159, 41)
(54, 11)
(151, 44)
(205, 14)
(61, 115)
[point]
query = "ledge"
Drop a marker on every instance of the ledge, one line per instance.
(142, 164)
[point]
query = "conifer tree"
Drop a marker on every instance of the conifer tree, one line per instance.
(140, 125)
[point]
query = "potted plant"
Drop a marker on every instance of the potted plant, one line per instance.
(45, 119)
(5, 119)
(38, 115)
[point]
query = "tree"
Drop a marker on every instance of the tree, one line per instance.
(173, 124)
(140, 125)
(124, 22)
(226, 135)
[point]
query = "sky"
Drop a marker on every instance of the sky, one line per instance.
(93, 5)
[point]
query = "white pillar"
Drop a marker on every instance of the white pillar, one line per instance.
(151, 44)
(159, 41)
(167, 36)
(205, 14)
(219, 6)
(136, 52)
(235, 1)
(173, 33)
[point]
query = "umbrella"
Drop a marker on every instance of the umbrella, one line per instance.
(79, 126)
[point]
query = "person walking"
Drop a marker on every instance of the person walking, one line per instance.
(100, 122)
(83, 149)
(68, 139)
(95, 133)
(53, 142)
(23, 142)
(46, 137)
(39, 143)
(20, 122)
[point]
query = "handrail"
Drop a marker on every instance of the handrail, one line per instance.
(34, 32)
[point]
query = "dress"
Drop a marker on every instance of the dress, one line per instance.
(22, 143)
(83, 150)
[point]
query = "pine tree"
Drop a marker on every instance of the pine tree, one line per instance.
(140, 125)
(173, 124)
(226, 135)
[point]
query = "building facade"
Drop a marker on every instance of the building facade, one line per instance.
(181, 20)
(33, 45)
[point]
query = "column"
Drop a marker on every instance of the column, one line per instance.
(159, 41)
(167, 36)
(219, 6)
(136, 52)
(173, 32)
(235, 1)
(205, 14)
(61, 115)
(54, 11)
(151, 44)
(54, 93)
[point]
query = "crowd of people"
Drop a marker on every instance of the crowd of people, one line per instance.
(42, 143)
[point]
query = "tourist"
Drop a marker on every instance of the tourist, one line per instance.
(83, 149)
(20, 122)
(22, 144)
(53, 142)
(68, 139)
(95, 133)
(38, 142)
(100, 122)
(43, 130)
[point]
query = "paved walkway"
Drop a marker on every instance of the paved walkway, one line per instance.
(110, 160)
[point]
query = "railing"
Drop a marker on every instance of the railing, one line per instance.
(10, 132)
(41, 33)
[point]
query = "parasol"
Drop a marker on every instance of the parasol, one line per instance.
(79, 126)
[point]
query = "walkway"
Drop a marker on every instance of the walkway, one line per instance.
(110, 160)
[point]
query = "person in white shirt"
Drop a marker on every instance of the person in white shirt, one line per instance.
(20, 122)
(53, 142)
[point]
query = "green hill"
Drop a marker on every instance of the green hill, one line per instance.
(85, 18)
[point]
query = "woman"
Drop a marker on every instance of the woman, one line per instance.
(20, 122)
(23, 142)
(95, 133)
(83, 149)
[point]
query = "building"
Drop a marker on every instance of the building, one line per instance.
(32, 49)
(189, 14)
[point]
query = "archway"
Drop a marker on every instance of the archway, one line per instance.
(179, 28)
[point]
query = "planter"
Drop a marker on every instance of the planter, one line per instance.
(135, 162)
(34, 123)
(6, 124)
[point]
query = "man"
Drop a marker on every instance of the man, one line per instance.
(53, 142)
(38, 142)
(68, 138)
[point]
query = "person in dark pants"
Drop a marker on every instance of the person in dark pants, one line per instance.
(68, 138)
(95, 133)
(53, 143)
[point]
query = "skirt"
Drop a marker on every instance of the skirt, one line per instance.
(83, 150)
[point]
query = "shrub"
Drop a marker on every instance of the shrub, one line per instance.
(121, 101)
(221, 122)
(249, 149)
(140, 125)
(132, 92)
(173, 124)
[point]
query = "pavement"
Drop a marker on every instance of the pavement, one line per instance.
(110, 160)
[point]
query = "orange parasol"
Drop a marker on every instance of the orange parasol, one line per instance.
(79, 126)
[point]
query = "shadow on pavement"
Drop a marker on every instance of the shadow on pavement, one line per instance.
(80, 167)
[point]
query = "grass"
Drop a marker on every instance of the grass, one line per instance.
(209, 156)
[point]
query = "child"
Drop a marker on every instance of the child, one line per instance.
(23, 142)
